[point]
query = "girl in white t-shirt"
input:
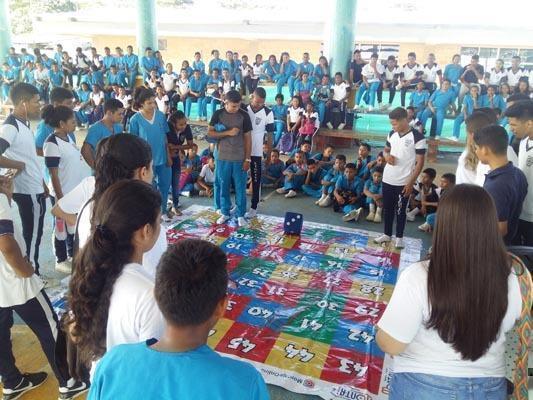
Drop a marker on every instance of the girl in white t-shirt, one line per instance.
(67, 169)
(446, 321)
(117, 158)
(161, 99)
(111, 296)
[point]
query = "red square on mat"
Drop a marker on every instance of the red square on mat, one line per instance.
(354, 369)
(236, 304)
(233, 261)
(269, 253)
(283, 293)
(248, 342)
(223, 230)
(336, 281)
(359, 310)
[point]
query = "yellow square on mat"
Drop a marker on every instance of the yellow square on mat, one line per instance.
(218, 332)
(389, 247)
(216, 240)
(287, 273)
(342, 251)
(297, 354)
(371, 290)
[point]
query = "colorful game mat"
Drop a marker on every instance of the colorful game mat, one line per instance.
(303, 309)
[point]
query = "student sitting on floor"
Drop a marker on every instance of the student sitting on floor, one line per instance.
(191, 168)
(273, 175)
(294, 117)
(374, 195)
(423, 190)
(206, 179)
(363, 158)
(372, 165)
(419, 98)
(330, 179)
(191, 292)
(447, 181)
(313, 181)
(280, 111)
(325, 159)
(347, 194)
(305, 148)
(308, 126)
(294, 176)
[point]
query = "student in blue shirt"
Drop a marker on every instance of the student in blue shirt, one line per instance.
(273, 170)
(212, 91)
(131, 62)
(84, 97)
(148, 63)
(109, 125)
(151, 125)
(313, 181)
(374, 195)
(287, 73)
(492, 99)
(230, 65)
(438, 104)
(25, 56)
(453, 73)
(115, 77)
(198, 64)
(27, 74)
(14, 60)
(304, 87)
(197, 86)
(330, 179)
(470, 102)
(280, 117)
(322, 98)
(295, 175)
(325, 159)
(57, 79)
(419, 98)
(108, 59)
(46, 61)
(191, 292)
(120, 62)
(321, 69)
(271, 68)
(94, 77)
(216, 62)
(186, 66)
(306, 66)
(9, 78)
(347, 194)
(58, 55)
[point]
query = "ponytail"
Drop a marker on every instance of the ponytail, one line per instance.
(53, 116)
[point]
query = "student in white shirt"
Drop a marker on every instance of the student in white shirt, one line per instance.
(515, 72)
(161, 99)
(431, 72)
(340, 91)
(67, 169)
(111, 297)
(206, 179)
(118, 157)
(372, 74)
(18, 153)
(445, 324)
(168, 80)
(497, 75)
(183, 87)
(391, 76)
(520, 116)
(410, 74)
(22, 291)
(404, 153)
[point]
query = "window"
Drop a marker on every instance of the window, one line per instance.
(467, 53)
(384, 50)
(487, 57)
(507, 54)
(527, 58)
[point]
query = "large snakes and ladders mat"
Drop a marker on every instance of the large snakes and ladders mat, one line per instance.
(303, 309)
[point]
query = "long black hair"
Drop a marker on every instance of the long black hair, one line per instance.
(126, 207)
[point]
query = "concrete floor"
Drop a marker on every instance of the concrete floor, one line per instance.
(271, 204)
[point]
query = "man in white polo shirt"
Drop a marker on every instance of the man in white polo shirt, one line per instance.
(515, 72)
(404, 153)
(432, 72)
(339, 95)
(168, 79)
(17, 152)
(410, 74)
(262, 122)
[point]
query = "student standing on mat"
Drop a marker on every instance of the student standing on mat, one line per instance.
(231, 126)
(263, 123)
(404, 154)
(151, 125)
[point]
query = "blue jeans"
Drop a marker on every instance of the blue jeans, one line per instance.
(295, 183)
(132, 76)
(202, 112)
(278, 132)
(369, 93)
(281, 80)
(409, 386)
(176, 172)
(322, 112)
(457, 125)
(431, 219)
(162, 179)
(227, 172)
(214, 103)
(313, 191)
(439, 116)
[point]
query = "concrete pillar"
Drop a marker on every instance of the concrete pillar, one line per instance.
(340, 36)
(146, 26)
(5, 30)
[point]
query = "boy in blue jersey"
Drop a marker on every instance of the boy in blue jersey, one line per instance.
(212, 91)
(438, 103)
(216, 62)
(94, 77)
(58, 55)
(330, 179)
(280, 117)
(57, 79)
(313, 181)
(325, 159)
(119, 59)
(306, 66)
(197, 86)
(47, 61)
(109, 125)
(115, 77)
(419, 98)
(374, 195)
(191, 292)
(492, 99)
(347, 194)
(295, 175)
(25, 56)
(231, 127)
(363, 159)
(198, 64)
(131, 63)
(9, 78)
(108, 59)
(287, 73)
(14, 60)
(273, 170)
(148, 63)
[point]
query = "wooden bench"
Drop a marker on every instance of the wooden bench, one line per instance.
(343, 138)
(433, 147)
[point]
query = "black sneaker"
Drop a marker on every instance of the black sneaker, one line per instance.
(74, 391)
(29, 382)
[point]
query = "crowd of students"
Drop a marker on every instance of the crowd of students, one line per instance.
(127, 287)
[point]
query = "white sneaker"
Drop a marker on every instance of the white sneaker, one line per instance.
(370, 109)
(64, 267)
(399, 243)
(218, 211)
(341, 126)
(370, 217)
(186, 193)
(326, 202)
(281, 191)
(241, 222)
(382, 239)
(291, 194)
(329, 125)
(223, 219)
(410, 217)
(425, 227)
(453, 139)
(399, 86)
(352, 215)
(251, 213)
(233, 209)
(321, 199)
(356, 107)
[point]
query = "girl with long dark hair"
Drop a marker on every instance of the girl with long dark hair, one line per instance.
(446, 321)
